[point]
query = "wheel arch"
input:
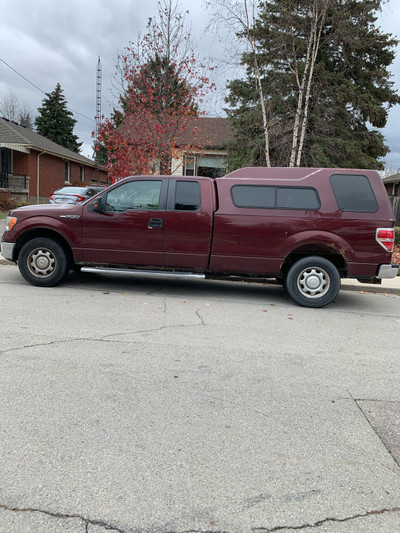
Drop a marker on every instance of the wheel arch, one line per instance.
(337, 256)
(44, 233)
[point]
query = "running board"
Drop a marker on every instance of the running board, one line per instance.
(152, 273)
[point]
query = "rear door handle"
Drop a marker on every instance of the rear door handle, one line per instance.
(155, 223)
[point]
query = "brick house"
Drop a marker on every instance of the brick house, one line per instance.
(392, 186)
(32, 167)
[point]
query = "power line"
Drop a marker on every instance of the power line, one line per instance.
(39, 89)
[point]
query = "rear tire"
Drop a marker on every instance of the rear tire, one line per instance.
(313, 282)
(43, 262)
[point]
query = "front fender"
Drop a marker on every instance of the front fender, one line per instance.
(68, 228)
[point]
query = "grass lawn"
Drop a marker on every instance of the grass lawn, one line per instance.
(3, 214)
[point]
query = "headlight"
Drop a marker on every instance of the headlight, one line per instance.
(10, 222)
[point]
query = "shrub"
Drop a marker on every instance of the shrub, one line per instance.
(397, 236)
(7, 201)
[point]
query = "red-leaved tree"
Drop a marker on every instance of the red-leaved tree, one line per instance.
(162, 86)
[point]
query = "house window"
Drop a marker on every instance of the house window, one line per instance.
(189, 165)
(5, 157)
(211, 166)
(82, 173)
(67, 172)
(395, 189)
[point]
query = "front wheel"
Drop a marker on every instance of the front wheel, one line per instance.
(43, 262)
(313, 282)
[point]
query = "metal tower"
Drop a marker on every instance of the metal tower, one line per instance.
(98, 97)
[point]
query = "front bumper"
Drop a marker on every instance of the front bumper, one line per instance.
(7, 250)
(388, 271)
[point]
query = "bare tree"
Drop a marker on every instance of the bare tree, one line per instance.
(238, 16)
(25, 116)
(9, 107)
(170, 32)
(13, 109)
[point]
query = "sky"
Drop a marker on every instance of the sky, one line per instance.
(50, 42)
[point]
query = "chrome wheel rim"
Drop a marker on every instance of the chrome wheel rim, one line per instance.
(313, 282)
(42, 262)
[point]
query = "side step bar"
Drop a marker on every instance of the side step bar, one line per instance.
(152, 273)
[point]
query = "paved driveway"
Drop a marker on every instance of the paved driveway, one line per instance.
(139, 405)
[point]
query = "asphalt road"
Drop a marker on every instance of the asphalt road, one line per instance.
(146, 405)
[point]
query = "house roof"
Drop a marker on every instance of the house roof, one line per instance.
(394, 178)
(22, 139)
(208, 131)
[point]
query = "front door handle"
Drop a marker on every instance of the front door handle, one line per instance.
(155, 223)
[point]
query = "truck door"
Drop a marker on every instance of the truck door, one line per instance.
(130, 229)
(189, 219)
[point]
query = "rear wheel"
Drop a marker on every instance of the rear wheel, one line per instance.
(313, 282)
(43, 262)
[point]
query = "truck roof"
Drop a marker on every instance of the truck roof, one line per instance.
(289, 173)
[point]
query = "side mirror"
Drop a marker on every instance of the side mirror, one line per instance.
(97, 206)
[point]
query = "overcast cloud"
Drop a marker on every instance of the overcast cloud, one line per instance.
(51, 42)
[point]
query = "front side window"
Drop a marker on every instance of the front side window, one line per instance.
(187, 196)
(143, 195)
(353, 192)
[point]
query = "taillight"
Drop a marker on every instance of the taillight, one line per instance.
(50, 197)
(79, 198)
(385, 237)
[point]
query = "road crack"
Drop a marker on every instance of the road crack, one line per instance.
(326, 520)
(86, 521)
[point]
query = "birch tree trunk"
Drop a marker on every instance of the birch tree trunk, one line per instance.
(319, 22)
(301, 116)
(259, 88)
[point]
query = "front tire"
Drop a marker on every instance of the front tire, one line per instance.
(313, 282)
(43, 262)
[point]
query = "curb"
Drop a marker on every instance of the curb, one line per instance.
(378, 289)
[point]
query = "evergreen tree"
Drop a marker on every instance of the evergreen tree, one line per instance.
(56, 122)
(332, 118)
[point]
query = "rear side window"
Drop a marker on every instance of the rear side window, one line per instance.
(253, 196)
(187, 196)
(353, 192)
(260, 196)
(297, 198)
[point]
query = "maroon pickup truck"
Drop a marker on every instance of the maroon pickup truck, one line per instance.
(306, 227)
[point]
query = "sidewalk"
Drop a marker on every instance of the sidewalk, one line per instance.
(388, 286)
